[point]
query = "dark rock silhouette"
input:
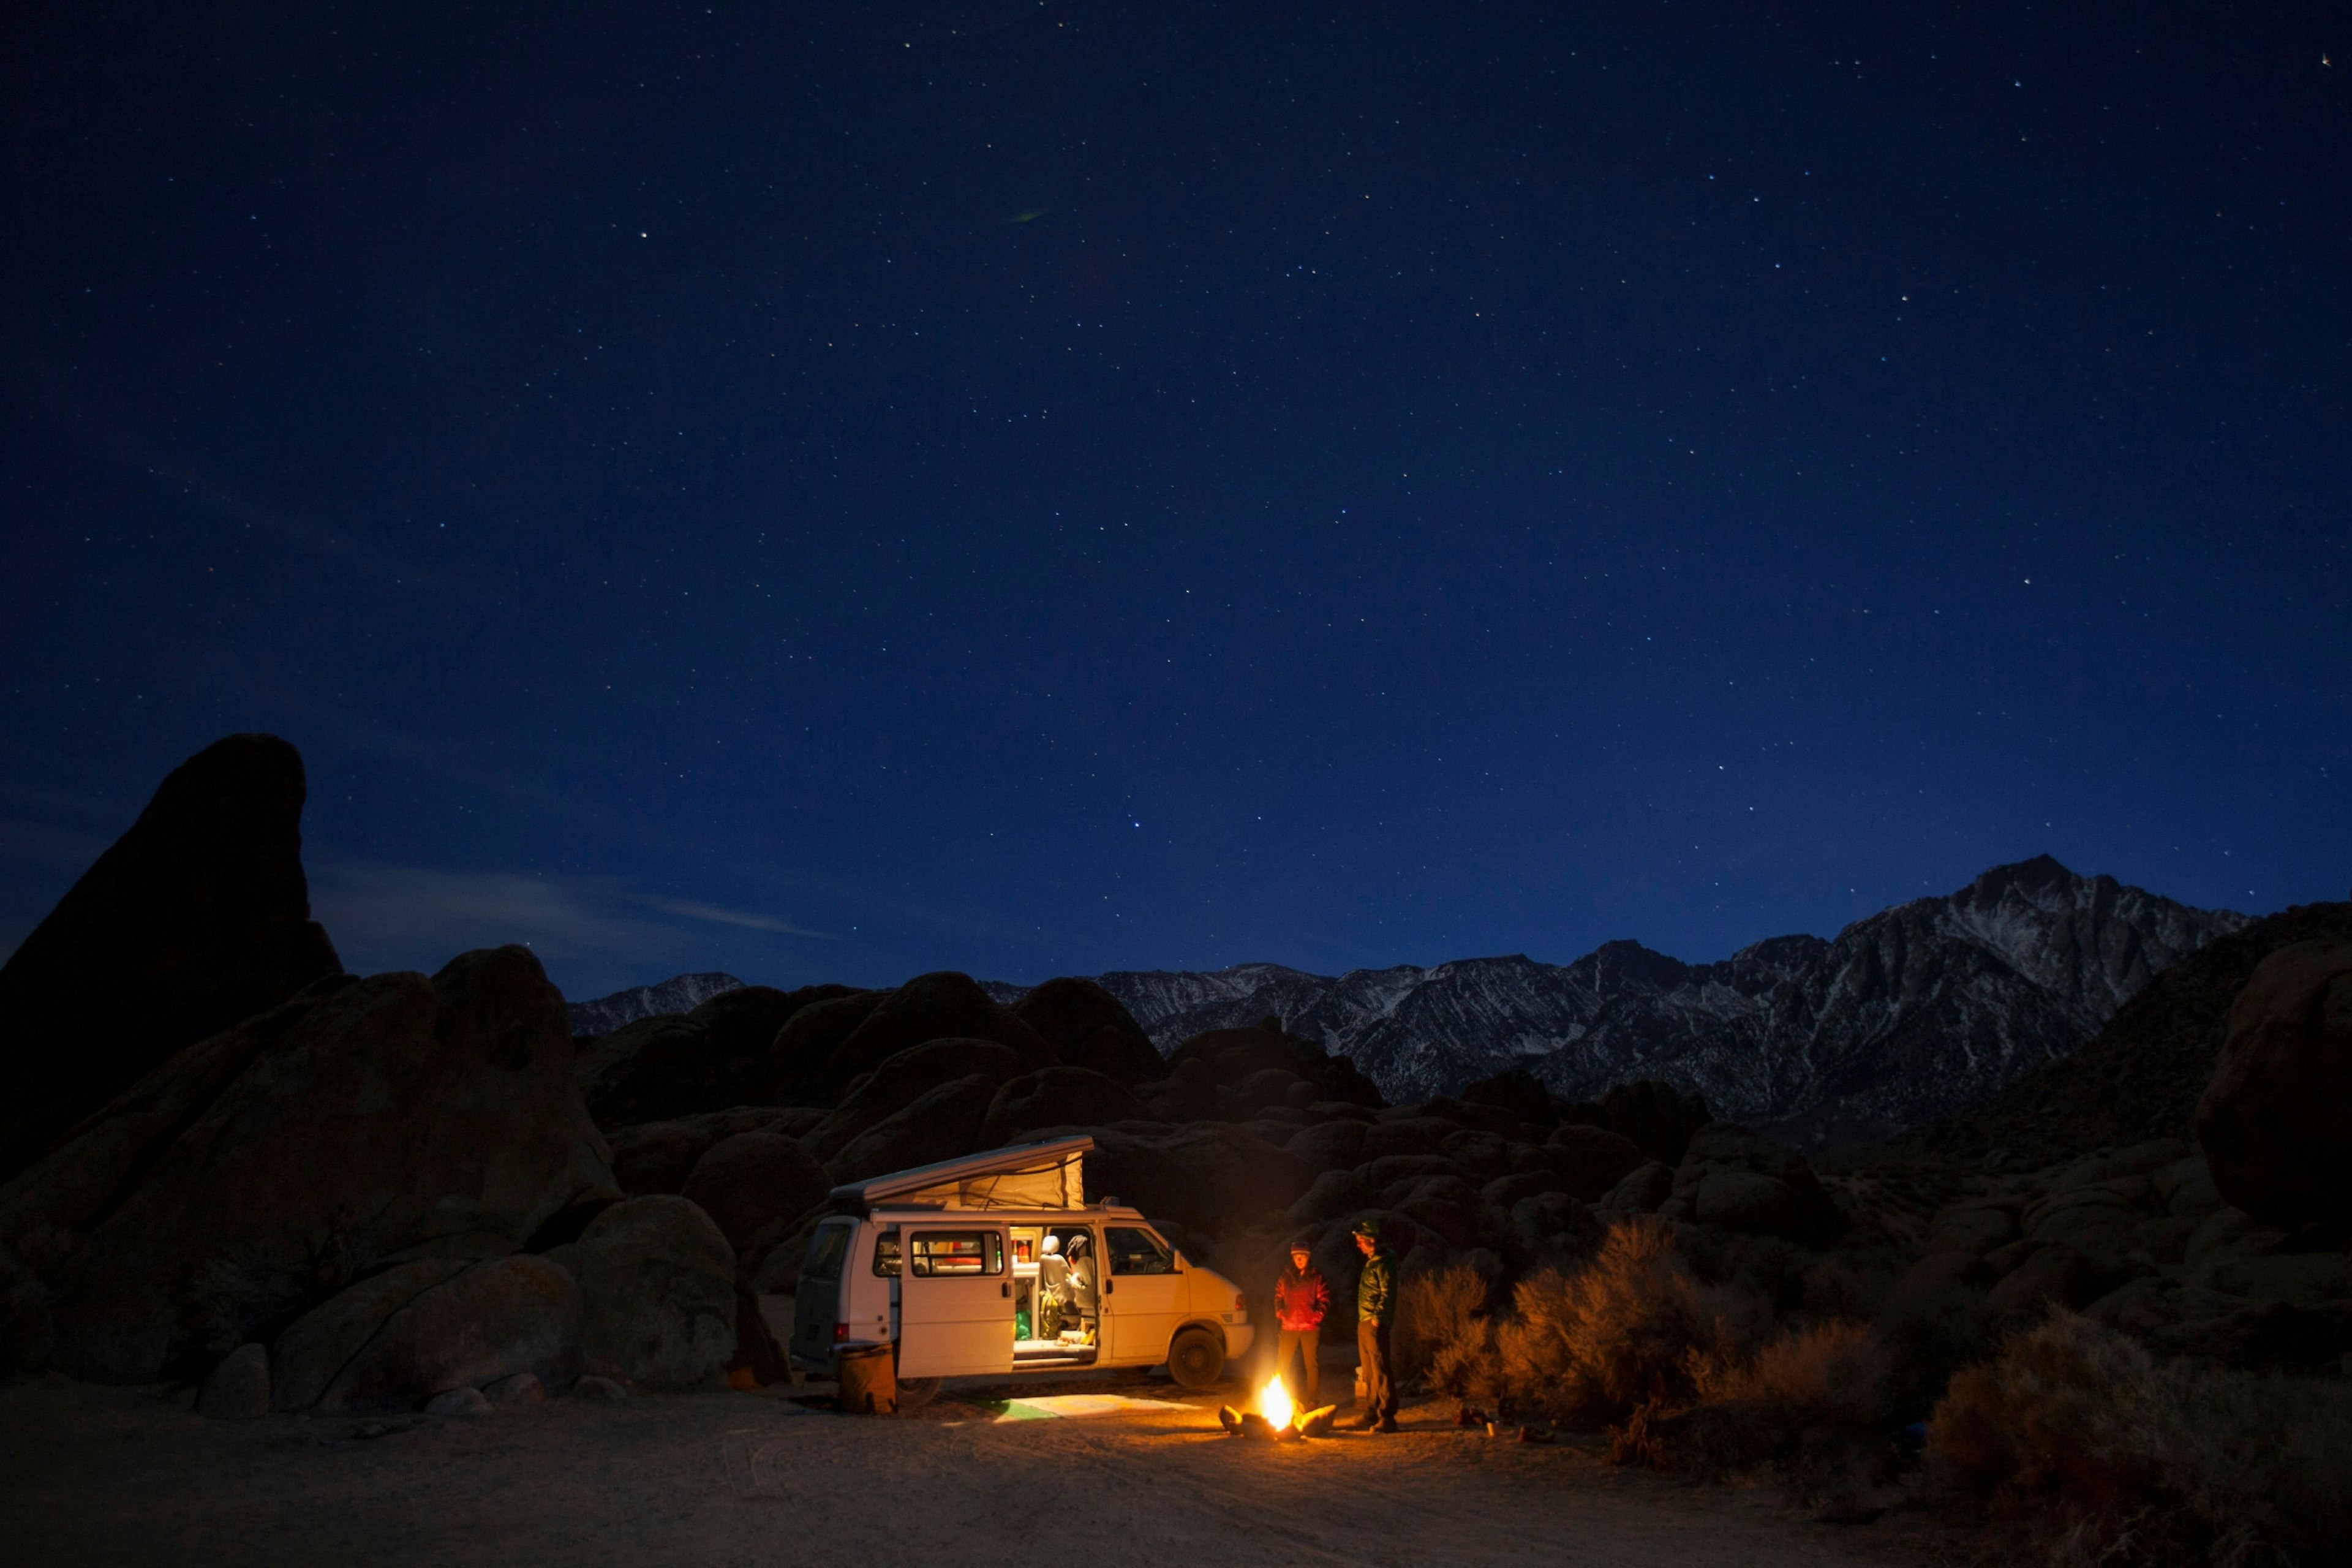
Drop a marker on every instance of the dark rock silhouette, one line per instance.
(931, 1007)
(2142, 1076)
(899, 1080)
(1658, 1118)
(1089, 1027)
(800, 1058)
(657, 1289)
(2276, 1120)
(656, 1156)
(1056, 1097)
(257, 1173)
(753, 1180)
(673, 1065)
(196, 917)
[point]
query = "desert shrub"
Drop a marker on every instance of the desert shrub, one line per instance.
(1633, 1327)
(1444, 1336)
(2075, 1437)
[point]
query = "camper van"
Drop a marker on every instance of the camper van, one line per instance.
(995, 1264)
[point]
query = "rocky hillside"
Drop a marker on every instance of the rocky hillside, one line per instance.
(1909, 1014)
(2140, 1077)
(678, 994)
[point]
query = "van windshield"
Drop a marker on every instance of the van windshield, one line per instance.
(824, 1252)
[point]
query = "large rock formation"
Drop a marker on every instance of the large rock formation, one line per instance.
(258, 1173)
(670, 1065)
(197, 917)
(657, 1281)
(2141, 1077)
(1089, 1027)
(2276, 1121)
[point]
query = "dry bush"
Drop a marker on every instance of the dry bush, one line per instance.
(1443, 1335)
(2095, 1453)
(1633, 1327)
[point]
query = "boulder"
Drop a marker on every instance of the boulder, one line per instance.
(874, 1097)
(656, 1156)
(1740, 1181)
(1089, 1027)
(1641, 1191)
(1447, 1208)
(1211, 1178)
(1592, 1159)
(1189, 1093)
(517, 1388)
(2275, 1123)
(197, 917)
(657, 1286)
(393, 1115)
(1517, 1091)
(937, 1124)
(239, 1388)
(799, 1055)
(1973, 1227)
(755, 1178)
(326, 1339)
(2058, 1276)
(1231, 1055)
(1505, 1190)
(651, 1070)
(1551, 1230)
(1266, 1087)
(493, 1320)
(1056, 1097)
(1329, 1146)
(931, 1007)
(458, 1403)
(1480, 1157)
(1657, 1117)
(1404, 1135)
(1333, 1194)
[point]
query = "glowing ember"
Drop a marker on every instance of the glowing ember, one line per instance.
(1274, 1404)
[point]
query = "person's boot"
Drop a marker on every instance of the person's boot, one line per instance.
(1385, 1424)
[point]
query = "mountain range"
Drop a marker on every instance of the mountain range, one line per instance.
(1908, 1014)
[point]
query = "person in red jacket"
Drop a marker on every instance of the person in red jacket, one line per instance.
(1300, 1299)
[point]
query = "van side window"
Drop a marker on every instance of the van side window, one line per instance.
(944, 1253)
(885, 1255)
(825, 1250)
(1136, 1251)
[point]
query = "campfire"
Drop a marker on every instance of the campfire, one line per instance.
(1276, 1417)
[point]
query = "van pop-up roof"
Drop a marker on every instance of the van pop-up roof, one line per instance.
(1048, 1175)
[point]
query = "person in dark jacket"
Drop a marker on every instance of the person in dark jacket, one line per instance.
(1300, 1299)
(1376, 1305)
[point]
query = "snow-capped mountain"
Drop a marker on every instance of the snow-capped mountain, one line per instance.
(678, 994)
(1908, 1014)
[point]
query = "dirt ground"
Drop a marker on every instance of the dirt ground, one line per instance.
(92, 1475)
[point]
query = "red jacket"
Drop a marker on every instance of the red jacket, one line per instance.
(1301, 1300)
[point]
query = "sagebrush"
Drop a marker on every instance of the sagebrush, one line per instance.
(2092, 1452)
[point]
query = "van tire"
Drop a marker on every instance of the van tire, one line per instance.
(1196, 1359)
(914, 1393)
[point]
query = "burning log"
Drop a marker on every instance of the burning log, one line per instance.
(1317, 1423)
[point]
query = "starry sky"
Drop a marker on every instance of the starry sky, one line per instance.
(831, 492)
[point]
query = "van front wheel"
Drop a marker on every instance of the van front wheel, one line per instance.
(1197, 1358)
(914, 1393)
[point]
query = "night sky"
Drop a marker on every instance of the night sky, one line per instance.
(1044, 487)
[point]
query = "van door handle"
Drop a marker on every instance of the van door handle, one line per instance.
(1109, 1285)
(1005, 1290)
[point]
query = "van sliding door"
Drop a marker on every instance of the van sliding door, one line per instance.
(955, 1302)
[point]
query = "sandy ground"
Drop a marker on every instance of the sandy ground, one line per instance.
(105, 1476)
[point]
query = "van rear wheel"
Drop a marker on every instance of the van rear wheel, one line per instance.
(1197, 1359)
(914, 1393)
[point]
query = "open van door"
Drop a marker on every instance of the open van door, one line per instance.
(955, 1301)
(1146, 1297)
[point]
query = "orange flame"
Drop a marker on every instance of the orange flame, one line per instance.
(1274, 1404)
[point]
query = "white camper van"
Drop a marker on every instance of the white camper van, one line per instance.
(996, 1264)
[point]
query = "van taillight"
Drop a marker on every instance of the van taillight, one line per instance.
(1241, 1302)
(840, 1332)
